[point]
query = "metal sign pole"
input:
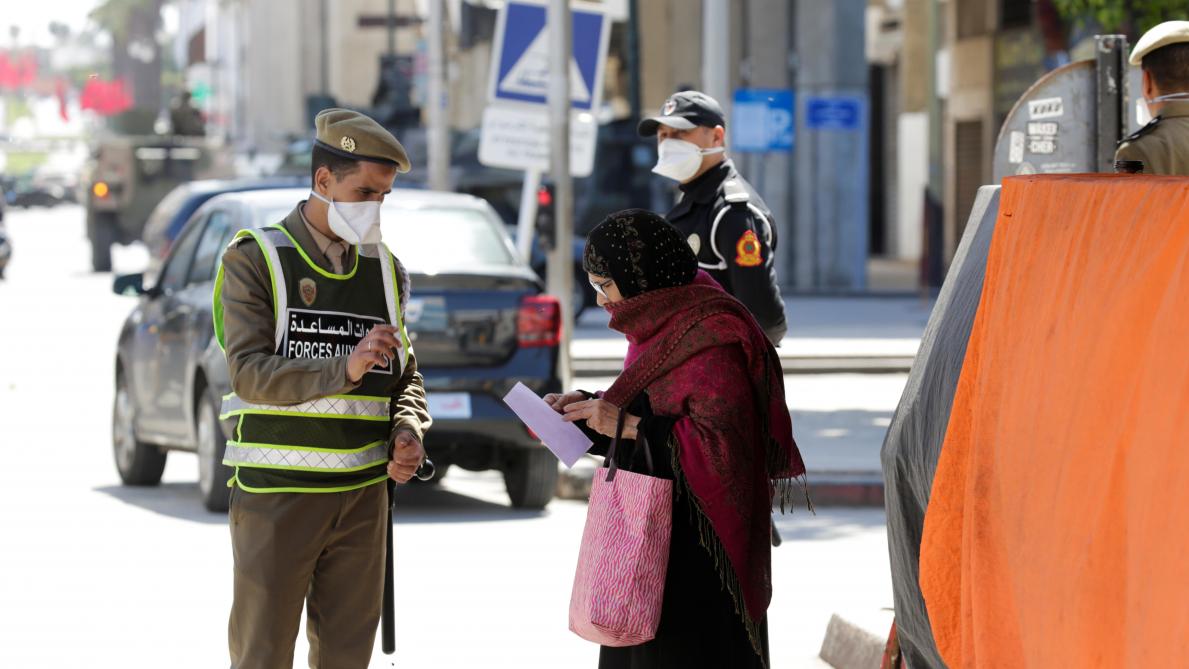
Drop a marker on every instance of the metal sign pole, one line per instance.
(561, 259)
(525, 224)
(1111, 56)
(437, 114)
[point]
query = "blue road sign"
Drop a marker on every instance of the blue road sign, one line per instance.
(762, 120)
(833, 113)
(520, 68)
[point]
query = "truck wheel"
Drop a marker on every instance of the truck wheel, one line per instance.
(531, 478)
(138, 463)
(102, 237)
(212, 473)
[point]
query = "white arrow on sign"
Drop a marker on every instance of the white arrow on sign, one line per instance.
(530, 74)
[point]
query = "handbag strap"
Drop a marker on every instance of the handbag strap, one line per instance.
(614, 466)
(641, 444)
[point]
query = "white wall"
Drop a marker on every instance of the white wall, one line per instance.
(912, 166)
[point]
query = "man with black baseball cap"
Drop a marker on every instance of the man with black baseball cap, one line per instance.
(727, 225)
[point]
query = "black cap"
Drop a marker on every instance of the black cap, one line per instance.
(685, 110)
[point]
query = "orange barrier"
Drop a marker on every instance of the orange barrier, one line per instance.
(1057, 533)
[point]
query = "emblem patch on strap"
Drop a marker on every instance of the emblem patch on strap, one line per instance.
(308, 290)
(748, 249)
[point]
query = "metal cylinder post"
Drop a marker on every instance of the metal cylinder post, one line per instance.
(716, 51)
(1111, 56)
(436, 107)
(560, 277)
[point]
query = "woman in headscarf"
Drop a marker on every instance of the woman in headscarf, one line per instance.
(704, 387)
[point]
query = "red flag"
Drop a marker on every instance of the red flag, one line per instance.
(105, 97)
(60, 86)
(8, 75)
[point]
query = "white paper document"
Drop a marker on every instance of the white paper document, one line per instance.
(566, 441)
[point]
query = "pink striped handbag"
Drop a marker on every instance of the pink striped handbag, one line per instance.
(620, 581)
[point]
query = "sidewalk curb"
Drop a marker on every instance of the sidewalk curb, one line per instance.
(853, 489)
(602, 367)
(842, 493)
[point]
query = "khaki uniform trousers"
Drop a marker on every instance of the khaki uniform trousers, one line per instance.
(323, 549)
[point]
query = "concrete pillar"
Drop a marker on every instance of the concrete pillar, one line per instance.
(829, 244)
(767, 43)
(716, 51)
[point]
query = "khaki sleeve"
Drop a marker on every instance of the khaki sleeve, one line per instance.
(257, 373)
(410, 409)
(1135, 151)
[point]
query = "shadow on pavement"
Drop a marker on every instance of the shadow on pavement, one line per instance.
(434, 504)
(415, 504)
(176, 500)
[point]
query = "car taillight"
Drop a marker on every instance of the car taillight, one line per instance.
(539, 321)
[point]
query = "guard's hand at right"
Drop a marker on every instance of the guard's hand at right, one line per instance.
(377, 348)
(558, 401)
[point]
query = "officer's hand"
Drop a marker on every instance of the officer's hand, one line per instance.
(601, 416)
(407, 456)
(376, 349)
(558, 402)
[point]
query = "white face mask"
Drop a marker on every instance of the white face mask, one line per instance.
(354, 222)
(680, 160)
(1171, 97)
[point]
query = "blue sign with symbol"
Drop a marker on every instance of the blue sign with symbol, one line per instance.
(834, 113)
(762, 120)
(520, 67)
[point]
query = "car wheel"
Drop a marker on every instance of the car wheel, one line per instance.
(531, 478)
(104, 235)
(212, 473)
(138, 463)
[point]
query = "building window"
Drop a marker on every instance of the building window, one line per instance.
(972, 18)
(1015, 13)
(970, 160)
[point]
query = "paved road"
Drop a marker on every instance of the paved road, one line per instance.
(93, 574)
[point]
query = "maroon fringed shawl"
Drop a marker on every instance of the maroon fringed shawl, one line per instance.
(702, 358)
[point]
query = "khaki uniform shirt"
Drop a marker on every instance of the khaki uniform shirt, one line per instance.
(259, 375)
(327, 246)
(1163, 144)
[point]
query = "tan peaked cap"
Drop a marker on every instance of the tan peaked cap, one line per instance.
(1164, 34)
(354, 135)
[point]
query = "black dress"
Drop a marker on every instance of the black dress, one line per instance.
(699, 627)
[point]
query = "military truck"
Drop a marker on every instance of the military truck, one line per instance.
(129, 175)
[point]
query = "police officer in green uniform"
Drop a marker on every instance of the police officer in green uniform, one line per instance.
(1162, 144)
(727, 225)
(328, 404)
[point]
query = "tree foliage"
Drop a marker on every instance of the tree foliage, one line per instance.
(1138, 15)
(115, 16)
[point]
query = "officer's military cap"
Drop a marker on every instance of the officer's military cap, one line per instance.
(1169, 32)
(685, 111)
(354, 135)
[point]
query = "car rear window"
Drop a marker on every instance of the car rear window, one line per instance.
(270, 215)
(158, 221)
(430, 240)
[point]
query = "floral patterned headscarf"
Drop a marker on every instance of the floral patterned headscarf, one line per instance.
(641, 251)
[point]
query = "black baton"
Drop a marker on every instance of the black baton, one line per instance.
(388, 612)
